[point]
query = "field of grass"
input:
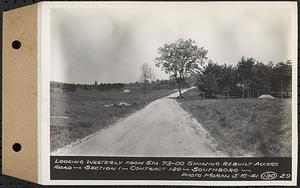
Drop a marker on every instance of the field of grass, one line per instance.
(255, 127)
(77, 114)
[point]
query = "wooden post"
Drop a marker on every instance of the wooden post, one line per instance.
(281, 87)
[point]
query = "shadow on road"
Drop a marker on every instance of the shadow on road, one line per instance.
(172, 97)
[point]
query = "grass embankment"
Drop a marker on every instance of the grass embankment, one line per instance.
(255, 127)
(77, 114)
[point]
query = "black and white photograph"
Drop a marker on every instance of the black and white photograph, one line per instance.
(172, 79)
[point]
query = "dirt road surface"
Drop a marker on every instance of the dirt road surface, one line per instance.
(161, 129)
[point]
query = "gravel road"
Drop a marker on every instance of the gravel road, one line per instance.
(161, 129)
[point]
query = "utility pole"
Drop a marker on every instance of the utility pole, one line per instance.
(145, 90)
(243, 86)
(281, 88)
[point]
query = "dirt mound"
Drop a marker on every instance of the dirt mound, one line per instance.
(265, 97)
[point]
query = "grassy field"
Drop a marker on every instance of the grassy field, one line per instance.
(77, 114)
(255, 127)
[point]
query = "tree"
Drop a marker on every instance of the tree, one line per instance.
(227, 84)
(208, 84)
(181, 59)
(262, 78)
(146, 76)
(282, 77)
(245, 70)
(96, 84)
(212, 79)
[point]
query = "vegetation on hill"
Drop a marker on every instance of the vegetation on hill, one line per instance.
(244, 127)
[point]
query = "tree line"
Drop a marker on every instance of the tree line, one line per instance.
(150, 84)
(71, 87)
(247, 79)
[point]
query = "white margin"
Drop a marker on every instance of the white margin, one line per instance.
(44, 93)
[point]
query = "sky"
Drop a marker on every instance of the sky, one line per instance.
(108, 42)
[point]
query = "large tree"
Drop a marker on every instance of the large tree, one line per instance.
(180, 59)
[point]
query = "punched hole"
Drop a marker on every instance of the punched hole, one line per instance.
(16, 44)
(17, 147)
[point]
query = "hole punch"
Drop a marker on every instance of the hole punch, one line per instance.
(17, 147)
(16, 44)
